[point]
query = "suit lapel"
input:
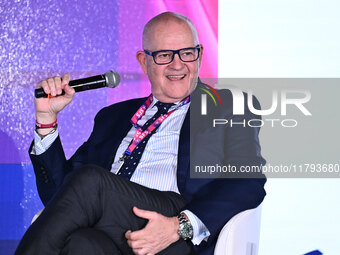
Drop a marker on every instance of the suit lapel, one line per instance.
(183, 158)
(120, 126)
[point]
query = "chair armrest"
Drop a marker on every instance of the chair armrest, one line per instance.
(241, 234)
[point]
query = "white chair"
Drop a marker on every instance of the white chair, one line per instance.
(36, 215)
(239, 236)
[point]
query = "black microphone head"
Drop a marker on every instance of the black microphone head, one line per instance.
(112, 79)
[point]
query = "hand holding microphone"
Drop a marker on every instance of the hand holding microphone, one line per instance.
(110, 79)
(53, 94)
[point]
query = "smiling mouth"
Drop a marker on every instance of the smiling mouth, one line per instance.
(176, 77)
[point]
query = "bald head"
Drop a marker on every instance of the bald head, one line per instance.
(163, 20)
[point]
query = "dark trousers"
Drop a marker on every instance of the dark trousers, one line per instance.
(92, 212)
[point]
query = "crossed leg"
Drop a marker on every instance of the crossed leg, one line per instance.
(96, 199)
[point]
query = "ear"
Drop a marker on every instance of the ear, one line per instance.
(200, 57)
(141, 57)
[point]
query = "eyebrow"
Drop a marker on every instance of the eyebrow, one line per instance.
(174, 50)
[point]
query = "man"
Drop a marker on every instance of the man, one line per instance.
(148, 203)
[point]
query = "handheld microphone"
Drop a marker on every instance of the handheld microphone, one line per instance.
(110, 79)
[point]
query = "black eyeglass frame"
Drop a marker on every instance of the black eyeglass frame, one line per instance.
(154, 53)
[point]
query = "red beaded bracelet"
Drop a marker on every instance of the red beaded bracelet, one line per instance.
(52, 125)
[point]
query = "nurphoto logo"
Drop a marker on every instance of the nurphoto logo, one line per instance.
(280, 101)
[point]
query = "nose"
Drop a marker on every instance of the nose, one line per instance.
(176, 63)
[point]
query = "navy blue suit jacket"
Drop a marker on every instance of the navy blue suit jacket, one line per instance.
(214, 201)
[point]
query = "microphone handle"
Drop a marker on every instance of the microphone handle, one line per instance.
(93, 82)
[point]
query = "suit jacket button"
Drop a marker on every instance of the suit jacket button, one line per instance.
(46, 181)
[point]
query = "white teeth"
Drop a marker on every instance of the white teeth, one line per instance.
(176, 76)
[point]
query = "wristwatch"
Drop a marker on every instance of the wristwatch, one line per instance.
(185, 230)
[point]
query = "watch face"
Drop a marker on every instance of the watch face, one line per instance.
(186, 230)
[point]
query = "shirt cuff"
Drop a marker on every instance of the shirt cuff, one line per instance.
(201, 232)
(42, 145)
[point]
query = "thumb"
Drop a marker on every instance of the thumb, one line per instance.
(69, 90)
(143, 213)
(65, 79)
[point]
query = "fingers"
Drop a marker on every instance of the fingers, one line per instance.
(54, 86)
(135, 235)
(44, 85)
(137, 244)
(141, 252)
(128, 234)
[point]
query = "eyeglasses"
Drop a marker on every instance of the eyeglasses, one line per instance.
(163, 57)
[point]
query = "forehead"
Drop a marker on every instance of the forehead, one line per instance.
(170, 35)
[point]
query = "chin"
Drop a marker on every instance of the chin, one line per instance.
(179, 95)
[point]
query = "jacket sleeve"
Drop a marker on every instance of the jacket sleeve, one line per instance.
(51, 167)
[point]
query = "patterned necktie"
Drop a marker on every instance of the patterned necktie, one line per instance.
(131, 162)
